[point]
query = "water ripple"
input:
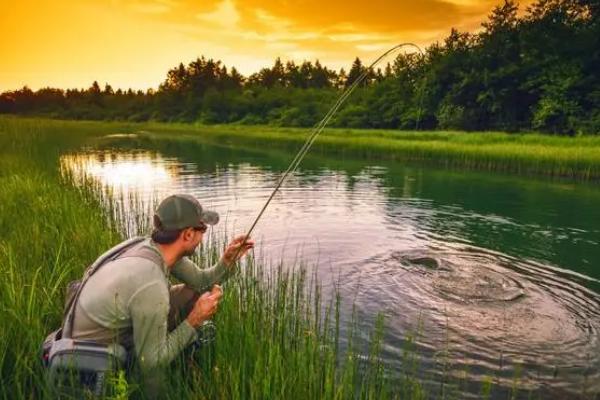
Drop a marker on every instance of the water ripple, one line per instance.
(491, 309)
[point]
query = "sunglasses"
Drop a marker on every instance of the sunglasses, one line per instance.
(202, 228)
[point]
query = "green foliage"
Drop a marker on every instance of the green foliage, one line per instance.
(486, 387)
(119, 386)
(49, 235)
(450, 116)
(352, 116)
(526, 154)
(559, 109)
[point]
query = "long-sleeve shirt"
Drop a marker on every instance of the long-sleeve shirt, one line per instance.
(127, 301)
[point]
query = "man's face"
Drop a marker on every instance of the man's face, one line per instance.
(192, 239)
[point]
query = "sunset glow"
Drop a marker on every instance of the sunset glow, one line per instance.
(131, 43)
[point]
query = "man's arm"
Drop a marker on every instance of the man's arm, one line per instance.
(203, 279)
(199, 279)
(154, 346)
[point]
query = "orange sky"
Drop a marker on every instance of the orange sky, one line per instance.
(132, 43)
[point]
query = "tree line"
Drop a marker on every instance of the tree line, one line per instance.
(536, 72)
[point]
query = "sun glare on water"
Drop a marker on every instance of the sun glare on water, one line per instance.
(123, 173)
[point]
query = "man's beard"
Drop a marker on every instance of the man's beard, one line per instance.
(190, 253)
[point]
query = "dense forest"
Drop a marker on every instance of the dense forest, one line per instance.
(539, 71)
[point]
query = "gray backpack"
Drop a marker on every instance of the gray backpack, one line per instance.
(74, 366)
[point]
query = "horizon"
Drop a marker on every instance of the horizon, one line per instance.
(64, 45)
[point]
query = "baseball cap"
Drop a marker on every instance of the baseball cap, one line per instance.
(180, 211)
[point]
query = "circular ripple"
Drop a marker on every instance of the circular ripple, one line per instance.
(464, 281)
(477, 284)
(494, 310)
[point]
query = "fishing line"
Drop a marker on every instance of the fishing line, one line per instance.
(318, 128)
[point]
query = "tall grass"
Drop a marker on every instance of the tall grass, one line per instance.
(524, 154)
(49, 232)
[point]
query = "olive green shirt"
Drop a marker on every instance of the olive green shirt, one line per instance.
(127, 301)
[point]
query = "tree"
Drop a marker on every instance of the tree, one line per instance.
(341, 80)
(293, 78)
(94, 89)
(355, 72)
(320, 76)
(95, 94)
(108, 90)
(236, 80)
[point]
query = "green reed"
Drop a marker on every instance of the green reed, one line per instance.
(524, 154)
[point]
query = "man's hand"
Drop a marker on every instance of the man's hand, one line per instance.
(205, 307)
(236, 250)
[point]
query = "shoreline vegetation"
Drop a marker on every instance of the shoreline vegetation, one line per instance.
(576, 158)
(276, 338)
(572, 158)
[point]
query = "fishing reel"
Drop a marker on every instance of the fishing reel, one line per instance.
(207, 333)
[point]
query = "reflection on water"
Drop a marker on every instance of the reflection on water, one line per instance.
(492, 275)
(140, 172)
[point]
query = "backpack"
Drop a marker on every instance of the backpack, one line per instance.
(73, 365)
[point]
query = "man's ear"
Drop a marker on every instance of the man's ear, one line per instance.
(187, 234)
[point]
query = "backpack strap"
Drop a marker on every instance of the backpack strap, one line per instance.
(142, 252)
(110, 255)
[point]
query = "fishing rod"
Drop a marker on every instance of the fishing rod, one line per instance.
(318, 128)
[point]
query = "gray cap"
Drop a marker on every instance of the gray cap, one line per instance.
(180, 211)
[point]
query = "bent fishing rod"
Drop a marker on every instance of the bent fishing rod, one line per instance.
(317, 129)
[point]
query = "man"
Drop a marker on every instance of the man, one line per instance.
(129, 299)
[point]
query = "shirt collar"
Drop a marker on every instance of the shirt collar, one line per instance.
(153, 245)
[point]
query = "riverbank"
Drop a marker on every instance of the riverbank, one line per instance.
(573, 158)
(576, 158)
(275, 339)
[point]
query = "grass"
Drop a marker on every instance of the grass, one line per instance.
(524, 154)
(576, 158)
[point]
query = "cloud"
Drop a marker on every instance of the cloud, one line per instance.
(264, 18)
(366, 26)
(334, 16)
(374, 46)
(224, 15)
(239, 34)
(155, 7)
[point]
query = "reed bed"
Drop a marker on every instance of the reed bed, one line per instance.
(575, 158)
(528, 154)
(50, 231)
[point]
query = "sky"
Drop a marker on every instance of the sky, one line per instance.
(133, 43)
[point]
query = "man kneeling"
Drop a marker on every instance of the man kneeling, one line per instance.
(129, 300)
